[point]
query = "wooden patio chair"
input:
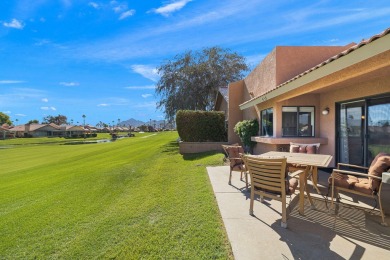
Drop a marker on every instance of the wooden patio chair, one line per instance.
(269, 179)
(236, 163)
(367, 184)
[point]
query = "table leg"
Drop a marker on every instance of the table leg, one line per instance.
(314, 178)
(302, 178)
(306, 188)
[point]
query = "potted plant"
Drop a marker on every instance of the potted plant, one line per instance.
(245, 130)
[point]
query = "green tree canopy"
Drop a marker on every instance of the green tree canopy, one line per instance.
(34, 121)
(4, 119)
(191, 80)
(58, 120)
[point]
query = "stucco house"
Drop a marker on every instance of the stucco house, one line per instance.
(35, 130)
(338, 96)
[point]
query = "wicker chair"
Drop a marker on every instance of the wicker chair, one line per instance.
(268, 179)
(367, 184)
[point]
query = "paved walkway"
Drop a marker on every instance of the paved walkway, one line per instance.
(352, 234)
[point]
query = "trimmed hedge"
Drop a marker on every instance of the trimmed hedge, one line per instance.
(201, 126)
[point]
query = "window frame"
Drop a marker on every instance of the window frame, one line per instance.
(261, 122)
(298, 111)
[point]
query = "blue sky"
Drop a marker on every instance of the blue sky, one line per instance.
(99, 58)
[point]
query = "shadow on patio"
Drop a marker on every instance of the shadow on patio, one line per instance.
(352, 233)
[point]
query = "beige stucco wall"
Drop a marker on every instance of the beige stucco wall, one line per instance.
(293, 60)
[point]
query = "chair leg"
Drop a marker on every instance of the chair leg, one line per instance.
(251, 203)
(246, 179)
(230, 177)
(382, 213)
(284, 214)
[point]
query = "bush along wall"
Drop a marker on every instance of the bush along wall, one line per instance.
(245, 130)
(201, 126)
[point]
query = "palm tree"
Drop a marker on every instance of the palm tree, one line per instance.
(84, 116)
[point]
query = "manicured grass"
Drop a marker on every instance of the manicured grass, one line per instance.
(130, 199)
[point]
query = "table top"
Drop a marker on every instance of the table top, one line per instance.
(319, 160)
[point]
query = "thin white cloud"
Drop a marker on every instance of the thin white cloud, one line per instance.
(11, 81)
(7, 112)
(146, 71)
(141, 87)
(166, 10)
(69, 84)
(103, 105)
(126, 14)
(45, 100)
(146, 105)
(94, 5)
(120, 8)
(14, 24)
(49, 108)
(146, 95)
(20, 115)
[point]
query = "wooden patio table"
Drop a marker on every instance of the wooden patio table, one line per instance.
(308, 161)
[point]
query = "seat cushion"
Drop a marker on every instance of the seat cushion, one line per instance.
(343, 180)
(351, 182)
(381, 163)
(234, 155)
(291, 186)
(302, 148)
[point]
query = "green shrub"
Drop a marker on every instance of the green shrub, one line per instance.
(245, 130)
(201, 126)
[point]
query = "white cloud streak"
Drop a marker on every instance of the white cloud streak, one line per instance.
(146, 95)
(166, 10)
(141, 87)
(126, 14)
(45, 100)
(146, 71)
(16, 24)
(49, 108)
(11, 81)
(69, 84)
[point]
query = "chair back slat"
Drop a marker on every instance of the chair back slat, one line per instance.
(267, 174)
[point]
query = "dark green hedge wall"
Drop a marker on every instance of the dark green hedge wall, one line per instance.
(201, 126)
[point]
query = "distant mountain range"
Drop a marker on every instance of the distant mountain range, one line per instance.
(135, 123)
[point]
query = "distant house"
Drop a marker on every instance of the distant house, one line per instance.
(36, 130)
(4, 132)
(71, 130)
(334, 95)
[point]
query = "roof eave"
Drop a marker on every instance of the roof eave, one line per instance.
(360, 54)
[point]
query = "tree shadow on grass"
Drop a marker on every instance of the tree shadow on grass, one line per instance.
(170, 148)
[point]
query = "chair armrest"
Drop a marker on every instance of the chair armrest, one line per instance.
(235, 158)
(386, 177)
(356, 174)
(293, 174)
(351, 166)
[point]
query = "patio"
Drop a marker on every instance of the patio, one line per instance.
(351, 234)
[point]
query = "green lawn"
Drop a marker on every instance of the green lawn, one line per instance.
(129, 199)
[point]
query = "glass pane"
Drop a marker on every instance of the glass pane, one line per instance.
(289, 123)
(267, 119)
(351, 133)
(289, 109)
(306, 121)
(378, 127)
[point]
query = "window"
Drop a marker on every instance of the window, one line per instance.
(267, 119)
(298, 121)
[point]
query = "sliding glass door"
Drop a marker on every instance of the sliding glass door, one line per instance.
(363, 130)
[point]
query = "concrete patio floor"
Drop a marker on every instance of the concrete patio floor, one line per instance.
(352, 233)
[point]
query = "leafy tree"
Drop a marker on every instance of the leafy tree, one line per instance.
(34, 121)
(4, 119)
(191, 80)
(58, 120)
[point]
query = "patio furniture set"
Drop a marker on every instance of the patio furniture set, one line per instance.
(276, 175)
